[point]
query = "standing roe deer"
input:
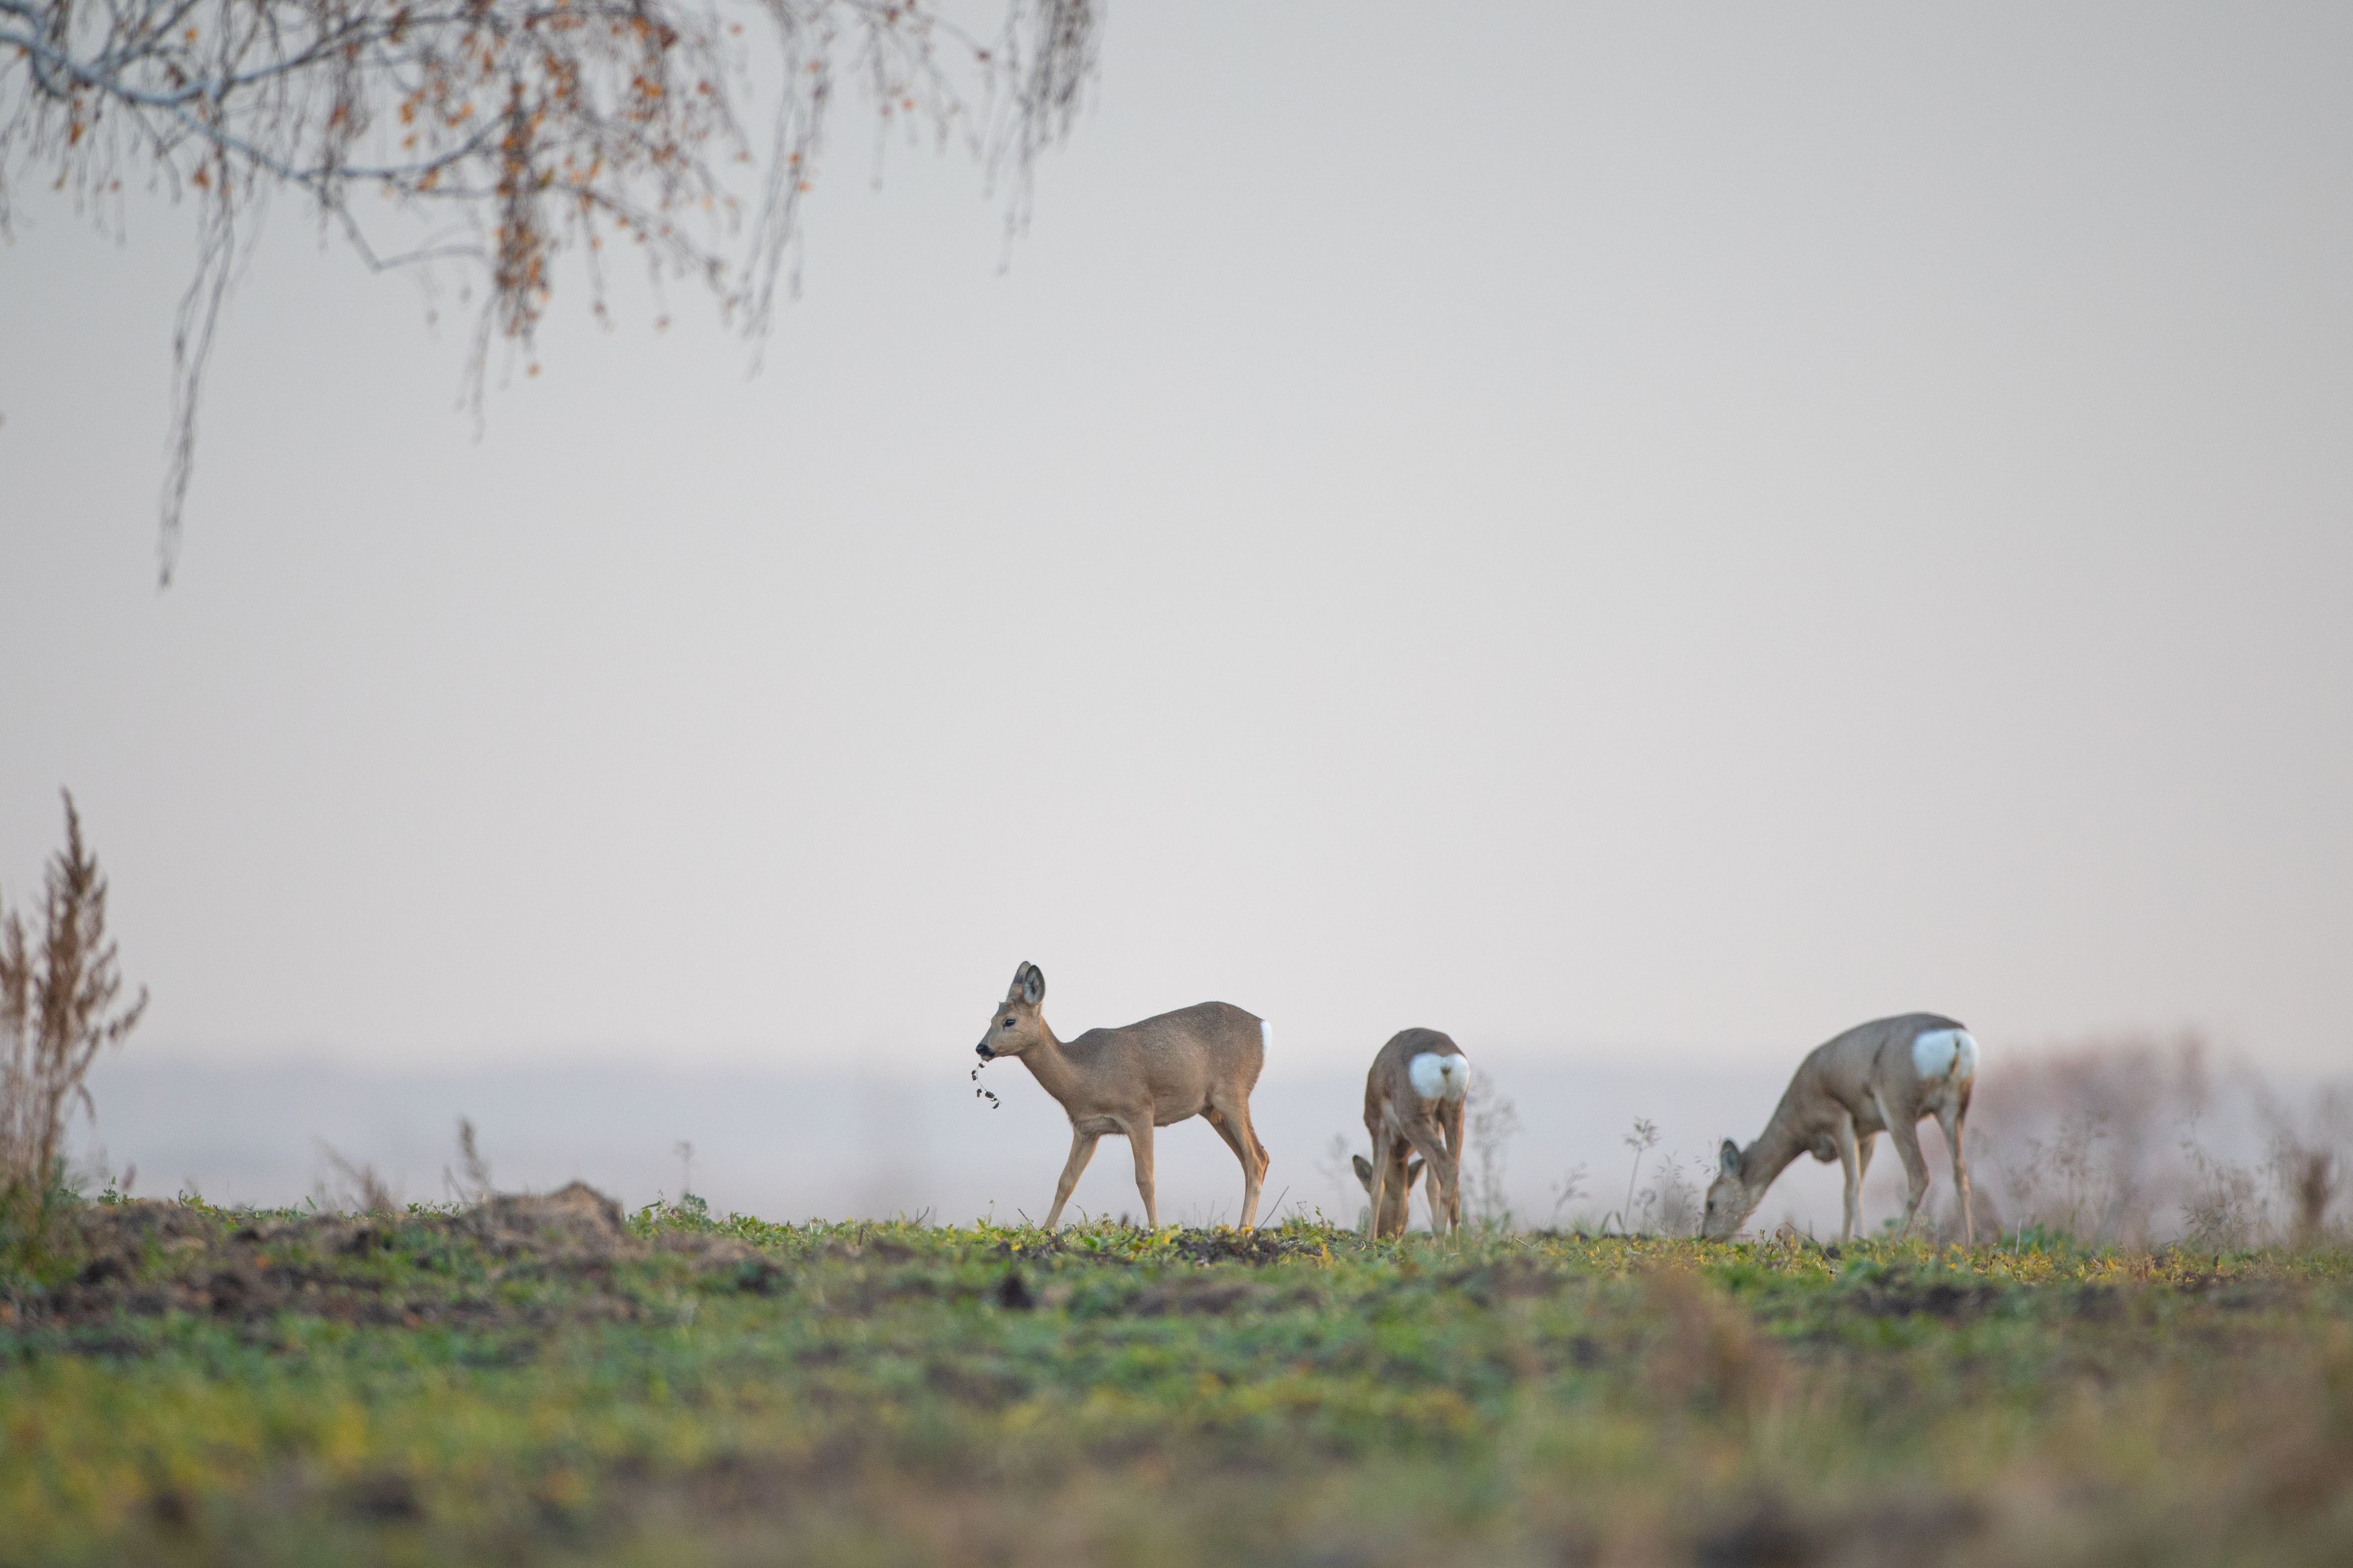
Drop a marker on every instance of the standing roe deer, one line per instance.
(1197, 1061)
(1881, 1076)
(1413, 1095)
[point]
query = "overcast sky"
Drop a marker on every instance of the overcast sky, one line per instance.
(1616, 531)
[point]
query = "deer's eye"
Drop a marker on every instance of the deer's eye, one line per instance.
(1009, 1022)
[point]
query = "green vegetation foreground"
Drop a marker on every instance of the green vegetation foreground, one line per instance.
(540, 1381)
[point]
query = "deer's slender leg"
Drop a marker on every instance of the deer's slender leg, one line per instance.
(1139, 1140)
(1904, 1134)
(1236, 1131)
(1382, 1143)
(1233, 1139)
(1450, 1120)
(1433, 1154)
(1850, 1159)
(1082, 1149)
(1254, 1162)
(1952, 1117)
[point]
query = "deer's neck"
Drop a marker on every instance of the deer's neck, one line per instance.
(1770, 1155)
(1051, 1066)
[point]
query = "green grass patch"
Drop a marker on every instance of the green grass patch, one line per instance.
(548, 1382)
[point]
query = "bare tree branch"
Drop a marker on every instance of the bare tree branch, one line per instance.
(512, 130)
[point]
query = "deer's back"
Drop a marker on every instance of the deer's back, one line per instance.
(1181, 1054)
(1407, 1044)
(1845, 1065)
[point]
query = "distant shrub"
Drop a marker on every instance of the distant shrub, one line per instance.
(2136, 1142)
(1565, 1192)
(56, 1013)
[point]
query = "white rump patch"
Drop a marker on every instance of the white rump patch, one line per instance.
(1439, 1078)
(1265, 1035)
(1941, 1053)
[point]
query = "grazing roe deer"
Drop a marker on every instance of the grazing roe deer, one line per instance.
(1882, 1076)
(1396, 1187)
(1413, 1098)
(1197, 1061)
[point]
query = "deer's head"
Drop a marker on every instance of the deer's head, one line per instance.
(1018, 1025)
(1394, 1213)
(1730, 1199)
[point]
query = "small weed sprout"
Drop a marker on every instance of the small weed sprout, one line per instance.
(1566, 1191)
(119, 1188)
(1643, 1138)
(56, 1013)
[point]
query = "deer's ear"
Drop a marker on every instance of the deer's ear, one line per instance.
(1033, 985)
(1411, 1171)
(1727, 1159)
(1364, 1171)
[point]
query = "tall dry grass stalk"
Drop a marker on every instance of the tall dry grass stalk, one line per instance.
(1494, 1120)
(56, 1013)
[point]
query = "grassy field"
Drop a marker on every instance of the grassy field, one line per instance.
(544, 1381)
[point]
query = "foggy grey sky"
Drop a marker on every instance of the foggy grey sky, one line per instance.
(1617, 532)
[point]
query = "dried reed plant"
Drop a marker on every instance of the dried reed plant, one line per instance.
(57, 1011)
(2312, 1182)
(356, 1188)
(471, 1183)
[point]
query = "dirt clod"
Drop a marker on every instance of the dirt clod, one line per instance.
(1012, 1293)
(1765, 1536)
(386, 1496)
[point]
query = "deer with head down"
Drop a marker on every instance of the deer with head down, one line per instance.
(1884, 1076)
(1413, 1102)
(1397, 1189)
(1201, 1060)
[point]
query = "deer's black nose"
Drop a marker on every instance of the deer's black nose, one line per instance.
(982, 1052)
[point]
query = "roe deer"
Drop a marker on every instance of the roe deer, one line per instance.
(1881, 1076)
(1197, 1061)
(1413, 1096)
(1396, 1188)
